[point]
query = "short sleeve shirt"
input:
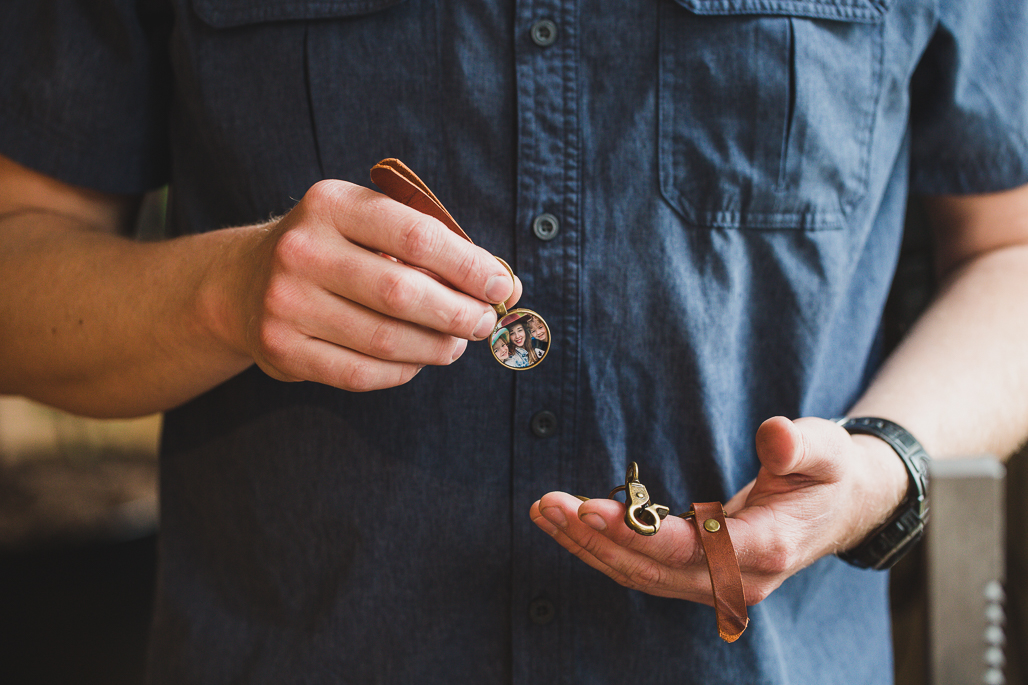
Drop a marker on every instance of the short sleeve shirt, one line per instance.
(727, 181)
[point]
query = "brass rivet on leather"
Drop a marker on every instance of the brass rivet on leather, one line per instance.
(644, 518)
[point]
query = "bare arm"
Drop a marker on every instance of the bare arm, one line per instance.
(78, 329)
(959, 381)
(98, 324)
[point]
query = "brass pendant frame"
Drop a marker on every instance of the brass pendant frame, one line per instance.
(502, 335)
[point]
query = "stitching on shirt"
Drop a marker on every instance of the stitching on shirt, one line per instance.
(859, 10)
(228, 15)
(867, 137)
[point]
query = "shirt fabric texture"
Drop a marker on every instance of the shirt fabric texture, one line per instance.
(730, 179)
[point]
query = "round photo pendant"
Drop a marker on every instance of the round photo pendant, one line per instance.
(520, 340)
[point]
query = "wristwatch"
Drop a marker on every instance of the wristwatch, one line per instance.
(894, 538)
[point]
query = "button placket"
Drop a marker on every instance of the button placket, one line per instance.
(547, 206)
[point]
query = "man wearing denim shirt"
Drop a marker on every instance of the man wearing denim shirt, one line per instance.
(726, 183)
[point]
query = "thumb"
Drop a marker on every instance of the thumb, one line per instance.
(807, 448)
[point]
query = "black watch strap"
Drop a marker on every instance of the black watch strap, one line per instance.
(894, 538)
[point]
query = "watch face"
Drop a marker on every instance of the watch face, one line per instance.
(520, 340)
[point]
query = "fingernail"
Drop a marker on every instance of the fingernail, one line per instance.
(459, 348)
(499, 288)
(556, 517)
(594, 521)
(485, 326)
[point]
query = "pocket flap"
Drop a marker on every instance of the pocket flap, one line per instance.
(223, 14)
(865, 11)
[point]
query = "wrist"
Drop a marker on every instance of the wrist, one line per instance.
(889, 478)
(222, 303)
(905, 506)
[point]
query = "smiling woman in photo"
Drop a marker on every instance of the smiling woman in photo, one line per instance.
(522, 354)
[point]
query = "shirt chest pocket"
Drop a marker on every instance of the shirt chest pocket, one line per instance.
(767, 109)
(274, 95)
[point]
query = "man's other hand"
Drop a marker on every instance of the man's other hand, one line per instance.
(819, 491)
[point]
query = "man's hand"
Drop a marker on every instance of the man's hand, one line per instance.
(316, 297)
(819, 490)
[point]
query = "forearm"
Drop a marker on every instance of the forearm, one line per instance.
(110, 327)
(959, 381)
(106, 326)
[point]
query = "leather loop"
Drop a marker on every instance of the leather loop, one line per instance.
(400, 183)
(723, 566)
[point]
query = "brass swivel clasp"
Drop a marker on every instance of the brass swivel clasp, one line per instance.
(642, 515)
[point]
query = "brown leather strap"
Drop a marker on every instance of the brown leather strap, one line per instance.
(396, 180)
(723, 565)
(400, 183)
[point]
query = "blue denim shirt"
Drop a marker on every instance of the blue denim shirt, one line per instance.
(729, 179)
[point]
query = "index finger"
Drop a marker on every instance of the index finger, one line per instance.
(379, 223)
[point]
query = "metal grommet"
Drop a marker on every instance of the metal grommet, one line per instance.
(712, 525)
(545, 226)
(544, 424)
(541, 611)
(544, 33)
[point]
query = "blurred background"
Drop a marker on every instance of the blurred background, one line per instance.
(78, 526)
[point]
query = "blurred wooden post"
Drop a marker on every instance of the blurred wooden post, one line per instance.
(965, 552)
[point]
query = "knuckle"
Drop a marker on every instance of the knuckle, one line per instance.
(441, 353)
(593, 544)
(621, 579)
(327, 200)
(279, 300)
(327, 193)
(464, 320)
(398, 290)
(418, 238)
(272, 342)
(686, 555)
(406, 373)
(385, 340)
(359, 376)
(468, 264)
(295, 250)
(645, 574)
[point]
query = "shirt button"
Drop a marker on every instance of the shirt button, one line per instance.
(546, 227)
(541, 611)
(544, 424)
(544, 33)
